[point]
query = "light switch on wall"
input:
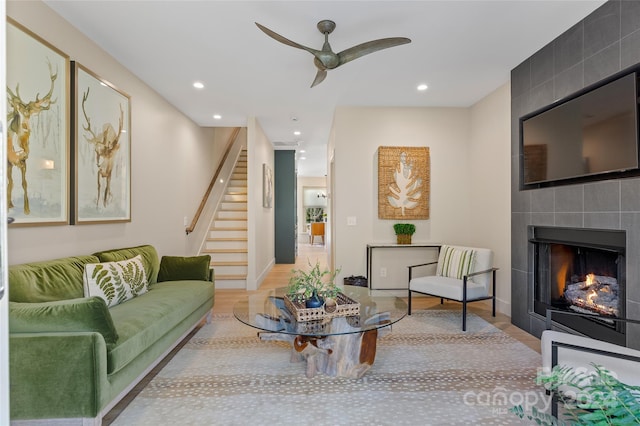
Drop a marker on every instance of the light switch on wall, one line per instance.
(351, 221)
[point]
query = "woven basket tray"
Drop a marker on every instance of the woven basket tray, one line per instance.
(346, 307)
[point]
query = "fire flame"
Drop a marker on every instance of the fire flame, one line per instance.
(591, 296)
(591, 279)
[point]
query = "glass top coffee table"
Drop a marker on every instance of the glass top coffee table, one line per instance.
(338, 346)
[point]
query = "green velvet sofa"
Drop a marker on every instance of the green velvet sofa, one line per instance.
(71, 357)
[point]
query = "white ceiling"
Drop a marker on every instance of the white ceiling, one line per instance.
(462, 49)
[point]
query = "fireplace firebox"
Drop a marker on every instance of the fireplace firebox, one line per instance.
(581, 270)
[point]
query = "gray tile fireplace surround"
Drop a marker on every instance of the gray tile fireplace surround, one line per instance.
(604, 43)
(599, 205)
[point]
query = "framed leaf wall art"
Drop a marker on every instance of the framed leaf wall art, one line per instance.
(37, 131)
(403, 182)
(101, 150)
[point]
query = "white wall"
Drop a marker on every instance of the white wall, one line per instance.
(470, 181)
(490, 190)
(171, 165)
(261, 219)
(358, 132)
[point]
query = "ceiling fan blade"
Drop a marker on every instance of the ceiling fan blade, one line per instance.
(360, 50)
(285, 40)
(320, 76)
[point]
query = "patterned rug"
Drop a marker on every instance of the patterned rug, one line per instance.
(426, 372)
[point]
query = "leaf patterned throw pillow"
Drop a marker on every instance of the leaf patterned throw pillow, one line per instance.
(115, 282)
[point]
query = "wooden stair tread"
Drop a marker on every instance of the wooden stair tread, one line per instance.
(225, 250)
(227, 239)
(230, 263)
(231, 228)
(231, 277)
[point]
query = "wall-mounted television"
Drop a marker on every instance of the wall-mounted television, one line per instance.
(592, 135)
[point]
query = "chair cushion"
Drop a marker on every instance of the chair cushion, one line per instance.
(449, 288)
(483, 261)
(455, 262)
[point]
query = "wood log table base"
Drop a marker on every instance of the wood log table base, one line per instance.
(342, 355)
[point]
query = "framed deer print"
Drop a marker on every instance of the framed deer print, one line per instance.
(101, 150)
(37, 188)
(403, 182)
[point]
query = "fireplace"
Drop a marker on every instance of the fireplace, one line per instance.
(581, 270)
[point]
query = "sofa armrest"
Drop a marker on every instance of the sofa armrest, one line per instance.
(73, 315)
(57, 375)
(179, 268)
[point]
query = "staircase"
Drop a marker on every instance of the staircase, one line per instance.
(227, 239)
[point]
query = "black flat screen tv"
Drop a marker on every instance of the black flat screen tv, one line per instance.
(592, 135)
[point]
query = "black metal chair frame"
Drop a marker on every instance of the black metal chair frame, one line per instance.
(464, 300)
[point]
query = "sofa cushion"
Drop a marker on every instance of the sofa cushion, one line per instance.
(143, 320)
(455, 262)
(57, 279)
(115, 282)
(149, 258)
(86, 314)
(176, 268)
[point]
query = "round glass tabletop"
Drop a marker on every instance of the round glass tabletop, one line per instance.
(267, 311)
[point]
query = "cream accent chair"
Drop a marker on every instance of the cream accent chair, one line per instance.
(457, 277)
(580, 352)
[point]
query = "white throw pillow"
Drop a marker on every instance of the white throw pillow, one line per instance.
(455, 262)
(115, 282)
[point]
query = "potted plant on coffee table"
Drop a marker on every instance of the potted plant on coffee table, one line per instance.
(312, 287)
(404, 231)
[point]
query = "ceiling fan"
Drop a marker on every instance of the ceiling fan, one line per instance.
(326, 59)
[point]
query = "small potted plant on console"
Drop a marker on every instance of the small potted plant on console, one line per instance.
(404, 231)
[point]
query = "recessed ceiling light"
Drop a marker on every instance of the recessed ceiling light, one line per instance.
(422, 87)
(297, 133)
(217, 116)
(198, 85)
(302, 151)
(303, 158)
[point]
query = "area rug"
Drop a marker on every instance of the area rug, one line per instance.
(427, 371)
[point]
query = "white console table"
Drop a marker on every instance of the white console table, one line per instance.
(372, 246)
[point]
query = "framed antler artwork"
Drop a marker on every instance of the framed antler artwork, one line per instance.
(101, 150)
(403, 182)
(37, 76)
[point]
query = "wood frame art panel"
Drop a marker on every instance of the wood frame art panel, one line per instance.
(101, 150)
(37, 76)
(403, 182)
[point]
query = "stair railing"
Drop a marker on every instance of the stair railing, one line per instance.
(214, 179)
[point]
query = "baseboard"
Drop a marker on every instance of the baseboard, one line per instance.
(503, 307)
